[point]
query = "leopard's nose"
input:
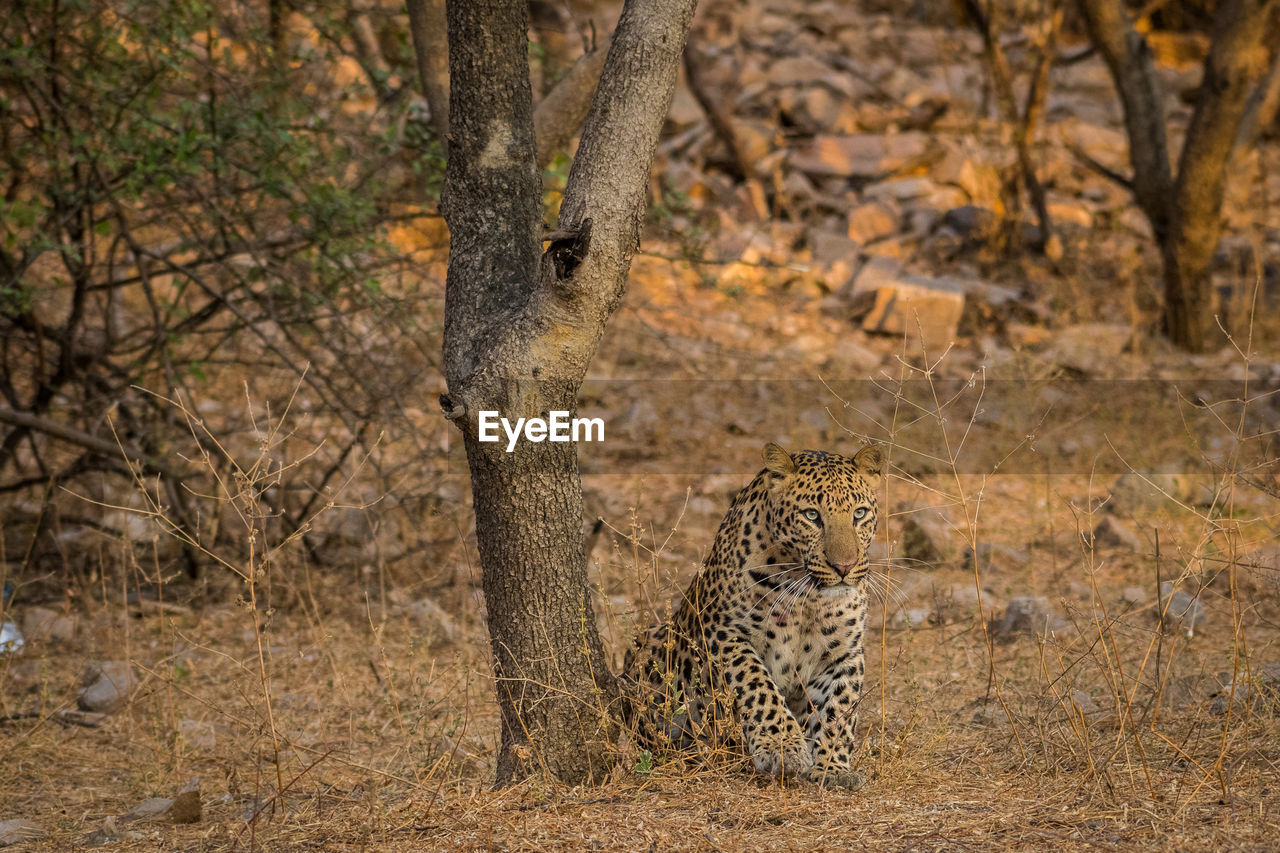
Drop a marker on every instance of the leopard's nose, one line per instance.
(843, 569)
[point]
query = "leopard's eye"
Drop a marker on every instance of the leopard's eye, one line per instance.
(812, 514)
(860, 513)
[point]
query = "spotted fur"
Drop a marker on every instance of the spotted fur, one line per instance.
(766, 648)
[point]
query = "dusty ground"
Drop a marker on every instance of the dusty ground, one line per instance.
(374, 713)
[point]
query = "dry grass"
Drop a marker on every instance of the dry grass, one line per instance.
(342, 720)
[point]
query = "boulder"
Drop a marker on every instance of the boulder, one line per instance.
(1256, 692)
(1134, 596)
(1181, 610)
(41, 624)
(184, 808)
(927, 539)
(926, 310)
(433, 620)
(1026, 615)
(858, 155)
(1111, 532)
(106, 686)
(1091, 348)
(835, 257)
(873, 221)
(17, 831)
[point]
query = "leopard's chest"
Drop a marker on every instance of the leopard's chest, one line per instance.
(798, 645)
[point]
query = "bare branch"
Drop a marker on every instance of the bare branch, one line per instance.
(1128, 56)
(718, 117)
(1023, 122)
(71, 435)
(1262, 107)
(431, 46)
(558, 117)
(1105, 171)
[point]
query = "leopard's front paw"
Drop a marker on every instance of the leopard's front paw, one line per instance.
(829, 776)
(791, 758)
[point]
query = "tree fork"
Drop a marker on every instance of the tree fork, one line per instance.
(520, 330)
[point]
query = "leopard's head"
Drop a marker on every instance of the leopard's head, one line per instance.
(822, 509)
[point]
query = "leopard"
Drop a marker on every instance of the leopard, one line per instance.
(764, 651)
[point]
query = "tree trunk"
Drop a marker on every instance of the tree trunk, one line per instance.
(431, 47)
(1237, 60)
(1128, 57)
(520, 330)
(1185, 213)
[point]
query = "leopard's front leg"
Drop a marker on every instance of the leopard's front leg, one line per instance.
(774, 739)
(833, 697)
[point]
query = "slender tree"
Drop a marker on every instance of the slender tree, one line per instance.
(521, 326)
(1185, 208)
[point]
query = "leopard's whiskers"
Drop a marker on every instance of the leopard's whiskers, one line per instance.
(783, 568)
(782, 595)
(773, 589)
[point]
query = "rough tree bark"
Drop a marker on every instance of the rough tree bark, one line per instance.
(1185, 211)
(1236, 62)
(557, 117)
(520, 329)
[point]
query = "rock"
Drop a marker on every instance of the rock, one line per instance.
(1180, 609)
(859, 155)
(870, 222)
(851, 360)
(41, 624)
(1133, 494)
(107, 833)
(986, 711)
(835, 257)
(106, 686)
(1088, 76)
(1104, 144)
(1065, 212)
(1091, 348)
(1135, 596)
(1111, 532)
(990, 553)
(1026, 335)
(979, 181)
(927, 540)
(1026, 615)
(877, 272)
(1133, 219)
(76, 717)
(825, 111)
(1084, 703)
(184, 808)
(432, 620)
(684, 111)
(1053, 248)
(926, 310)
(755, 138)
(18, 830)
(198, 733)
(912, 616)
(919, 193)
(1258, 693)
(970, 222)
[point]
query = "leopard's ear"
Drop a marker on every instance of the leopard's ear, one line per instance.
(870, 460)
(777, 460)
